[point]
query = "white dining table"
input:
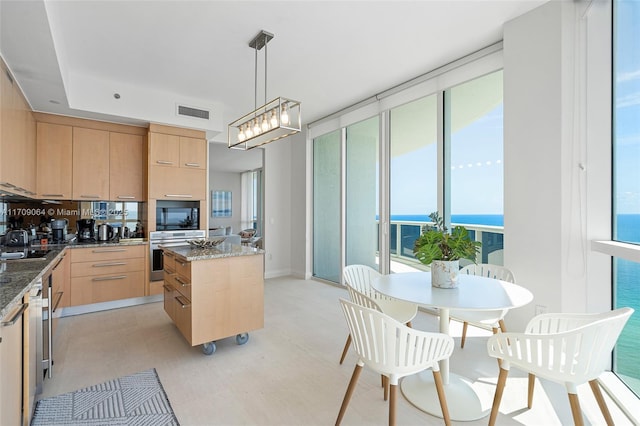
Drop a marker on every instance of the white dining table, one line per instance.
(474, 293)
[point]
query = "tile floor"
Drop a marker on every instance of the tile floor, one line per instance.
(287, 373)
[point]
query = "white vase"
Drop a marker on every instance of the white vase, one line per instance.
(444, 273)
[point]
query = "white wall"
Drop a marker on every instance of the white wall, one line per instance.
(550, 189)
(226, 182)
(278, 169)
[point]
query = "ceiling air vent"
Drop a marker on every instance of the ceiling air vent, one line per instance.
(193, 112)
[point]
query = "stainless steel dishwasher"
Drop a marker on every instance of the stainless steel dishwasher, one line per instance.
(36, 372)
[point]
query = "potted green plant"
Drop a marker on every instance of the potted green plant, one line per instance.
(442, 250)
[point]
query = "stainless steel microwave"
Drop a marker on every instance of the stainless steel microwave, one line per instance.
(176, 215)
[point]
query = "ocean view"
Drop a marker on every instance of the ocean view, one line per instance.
(627, 293)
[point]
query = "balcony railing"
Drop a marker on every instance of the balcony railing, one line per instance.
(404, 234)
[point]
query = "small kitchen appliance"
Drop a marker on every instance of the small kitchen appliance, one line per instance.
(105, 232)
(16, 238)
(59, 229)
(86, 230)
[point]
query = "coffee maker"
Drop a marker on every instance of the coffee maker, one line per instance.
(59, 228)
(86, 230)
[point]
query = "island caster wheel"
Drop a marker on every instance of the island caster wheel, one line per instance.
(208, 348)
(242, 338)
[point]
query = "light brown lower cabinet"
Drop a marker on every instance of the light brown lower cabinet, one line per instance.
(213, 299)
(105, 274)
(11, 372)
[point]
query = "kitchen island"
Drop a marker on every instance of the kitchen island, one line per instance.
(214, 293)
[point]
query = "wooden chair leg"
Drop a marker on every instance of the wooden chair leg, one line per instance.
(385, 385)
(576, 412)
(532, 383)
(347, 395)
(464, 334)
(409, 324)
(502, 379)
(437, 378)
(392, 405)
(346, 348)
(595, 388)
(503, 327)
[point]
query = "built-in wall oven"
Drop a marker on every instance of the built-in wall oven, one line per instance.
(168, 238)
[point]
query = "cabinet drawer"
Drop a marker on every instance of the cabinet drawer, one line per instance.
(182, 314)
(169, 303)
(106, 288)
(106, 253)
(168, 261)
(107, 267)
(181, 284)
(183, 268)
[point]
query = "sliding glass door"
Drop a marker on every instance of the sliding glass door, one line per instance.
(361, 200)
(326, 206)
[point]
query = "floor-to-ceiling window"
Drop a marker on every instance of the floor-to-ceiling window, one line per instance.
(473, 137)
(382, 170)
(626, 169)
(326, 206)
(361, 201)
(413, 176)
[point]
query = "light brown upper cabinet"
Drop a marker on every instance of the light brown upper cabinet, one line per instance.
(164, 150)
(54, 161)
(90, 164)
(17, 138)
(193, 153)
(177, 163)
(125, 167)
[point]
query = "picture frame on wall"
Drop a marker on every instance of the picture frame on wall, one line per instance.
(221, 203)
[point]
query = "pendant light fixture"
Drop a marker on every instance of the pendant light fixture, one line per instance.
(274, 120)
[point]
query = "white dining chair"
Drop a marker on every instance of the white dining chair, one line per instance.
(492, 319)
(360, 278)
(571, 349)
(394, 350)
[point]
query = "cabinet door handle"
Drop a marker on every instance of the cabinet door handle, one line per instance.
(168, 271)
(101, 265)
(17, 315)
(167, 287)
(117, 277)
(192, 164)
(184, 303)
(164, 162)
(58, 263)
(8, 185)
(53, 195)
(179, 195)
(182, 283)
(89, 196)
(107, 250)
(126, 197)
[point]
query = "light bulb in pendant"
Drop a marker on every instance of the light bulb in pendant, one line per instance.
(241, 135)
(274, 119)
(265, 123)
(256, 127)
(249, 132)
(284, 116)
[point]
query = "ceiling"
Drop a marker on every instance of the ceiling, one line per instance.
(72, 57)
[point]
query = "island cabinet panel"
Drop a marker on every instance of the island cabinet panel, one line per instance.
(90, 164)
(54, 161)
(211, 299)
(104, 274)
